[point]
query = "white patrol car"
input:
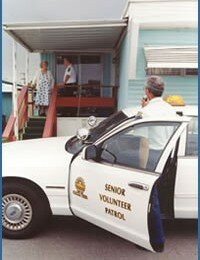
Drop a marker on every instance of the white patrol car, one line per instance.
(103, 176)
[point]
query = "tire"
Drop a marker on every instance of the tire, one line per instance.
(24, 210)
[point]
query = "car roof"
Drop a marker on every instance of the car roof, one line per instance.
(189, 110)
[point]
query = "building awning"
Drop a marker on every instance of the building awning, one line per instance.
(171, 56)
(68, 36)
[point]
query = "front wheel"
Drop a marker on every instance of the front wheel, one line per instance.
(24, 210)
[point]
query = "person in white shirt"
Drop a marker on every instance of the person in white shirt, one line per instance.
(69, 79)
(70, 74)
(154, 106)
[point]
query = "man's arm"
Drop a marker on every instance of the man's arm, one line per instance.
(67, 77)
(60, 85)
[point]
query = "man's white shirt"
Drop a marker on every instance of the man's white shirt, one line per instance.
(70, 71)
(157, 107)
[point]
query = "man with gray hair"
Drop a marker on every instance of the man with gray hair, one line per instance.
(154, 106)
(153, 103)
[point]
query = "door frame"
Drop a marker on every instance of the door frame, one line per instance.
(170, 145)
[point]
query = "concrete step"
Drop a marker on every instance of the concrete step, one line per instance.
(34, 129)
(37, 118)
(31, 136)
(36, 123)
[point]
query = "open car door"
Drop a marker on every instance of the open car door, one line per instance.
(115, 195)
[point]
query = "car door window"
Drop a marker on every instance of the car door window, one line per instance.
(139, 146)
(192, 138)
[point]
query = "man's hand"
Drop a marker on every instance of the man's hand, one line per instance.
(67, 78)
(144, 102)
(61, 85)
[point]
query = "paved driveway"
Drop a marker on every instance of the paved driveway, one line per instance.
(73, 239)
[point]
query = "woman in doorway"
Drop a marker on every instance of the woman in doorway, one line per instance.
(44, 82)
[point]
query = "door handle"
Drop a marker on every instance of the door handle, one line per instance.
(139, 185)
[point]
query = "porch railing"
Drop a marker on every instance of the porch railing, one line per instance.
(8, 133)
(51, 120)
(23, 111)
(106, 98)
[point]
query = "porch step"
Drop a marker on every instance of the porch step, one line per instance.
(32, 136)
(37, 118)
(34, 128)
(36, 123)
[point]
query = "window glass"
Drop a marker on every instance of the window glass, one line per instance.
(139, 146)
(192, 137)
(91, 69)
(88, 68)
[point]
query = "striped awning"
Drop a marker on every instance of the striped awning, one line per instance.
(171, 56)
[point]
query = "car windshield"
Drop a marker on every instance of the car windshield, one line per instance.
(74, 145)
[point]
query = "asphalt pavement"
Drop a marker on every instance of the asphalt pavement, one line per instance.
(69, 238)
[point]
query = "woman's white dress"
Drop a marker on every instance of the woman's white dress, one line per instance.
(44, 83)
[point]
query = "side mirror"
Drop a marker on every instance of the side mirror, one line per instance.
(82, 134)
(90, 152)
(92, 120)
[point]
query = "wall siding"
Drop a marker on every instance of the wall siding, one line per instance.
(6, 104)
(184, 86)
(123, 73)
(174, 85)
(162, 37)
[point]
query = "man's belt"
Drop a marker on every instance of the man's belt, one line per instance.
(70, 84)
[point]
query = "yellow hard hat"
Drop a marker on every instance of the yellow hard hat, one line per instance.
(174, 100)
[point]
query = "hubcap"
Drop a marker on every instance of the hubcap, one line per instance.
(16, 212)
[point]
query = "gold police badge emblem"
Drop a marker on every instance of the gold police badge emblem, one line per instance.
(80, 188)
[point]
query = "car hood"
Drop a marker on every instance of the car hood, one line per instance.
(35, 154)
